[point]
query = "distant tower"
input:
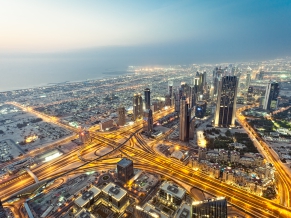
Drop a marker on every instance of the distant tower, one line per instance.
(148, 122)
(137, 106)
(271, 96)
(248, 79)
(121, 116)
(125, 170)
(177, 102)
(226, 102)
(147, 98)
(184, 122)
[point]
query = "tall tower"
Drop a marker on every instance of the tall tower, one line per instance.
(137, 106)
(226, 102)
(147, 98)
(148, 121)
(184, 122)
(271, 96)
(121, 116)
(170, 92)
(248, 79)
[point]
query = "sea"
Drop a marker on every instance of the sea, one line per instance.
(21, 73)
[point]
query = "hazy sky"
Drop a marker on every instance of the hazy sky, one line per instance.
(154, 30)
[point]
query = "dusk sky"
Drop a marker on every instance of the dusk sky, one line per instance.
(158, 31)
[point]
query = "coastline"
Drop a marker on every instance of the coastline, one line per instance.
(102, 76)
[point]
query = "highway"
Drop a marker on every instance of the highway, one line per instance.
(144, 159)
(282, 175)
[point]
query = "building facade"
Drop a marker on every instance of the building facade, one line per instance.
(226, 102)
(125, 170)
(271, 96)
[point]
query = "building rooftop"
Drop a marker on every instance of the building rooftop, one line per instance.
(173, 189)
(184, 211)
(115, 191)
(84, 214)
(154, 212)
(124, 162)
(86, 196)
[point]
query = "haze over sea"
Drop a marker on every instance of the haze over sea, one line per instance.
(19, 73)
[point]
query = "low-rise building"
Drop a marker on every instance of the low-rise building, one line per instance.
(115, 197)
(87, 198)
(171, 194)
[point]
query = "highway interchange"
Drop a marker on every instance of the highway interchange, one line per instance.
(145, 158)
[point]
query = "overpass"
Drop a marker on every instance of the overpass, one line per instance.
(32, 175)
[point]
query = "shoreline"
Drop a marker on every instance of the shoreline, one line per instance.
(103, 76)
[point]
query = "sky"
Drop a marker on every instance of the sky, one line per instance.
(147, 31)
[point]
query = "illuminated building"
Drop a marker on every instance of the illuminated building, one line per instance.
(2, 211)
(115, 197)
(124, 170)
(171, 93)
(148, 122)
(212, 208)
(226, 102)
(271, 96)
(171, 194)
(88, 198)
(137, 107)
(121, 116)
(200, 109)
(84, 214)
(84, 136)
(184, 120)
(147, 98)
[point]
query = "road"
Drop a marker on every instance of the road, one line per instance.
(283, 175)
(143, 159)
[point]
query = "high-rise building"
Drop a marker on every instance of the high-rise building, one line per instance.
(125, 170)
(200, 109)
(121, 116)
(248, 78)
(226, 102)
(271, 96)
(147, 98)
(191, 129)
(184, 120)
(148, 122)
(84, 136)
(177, 102)
(137, 107)
(212, 208)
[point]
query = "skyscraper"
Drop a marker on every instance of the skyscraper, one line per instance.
(226, 102)
(148, 121)
(121, 116)
(147, 98)
(184, 120)
(125, 170)
(271, 96)
(137, 107)
(248, 78)
(212, 208)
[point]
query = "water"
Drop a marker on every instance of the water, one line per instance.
(19, 73)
